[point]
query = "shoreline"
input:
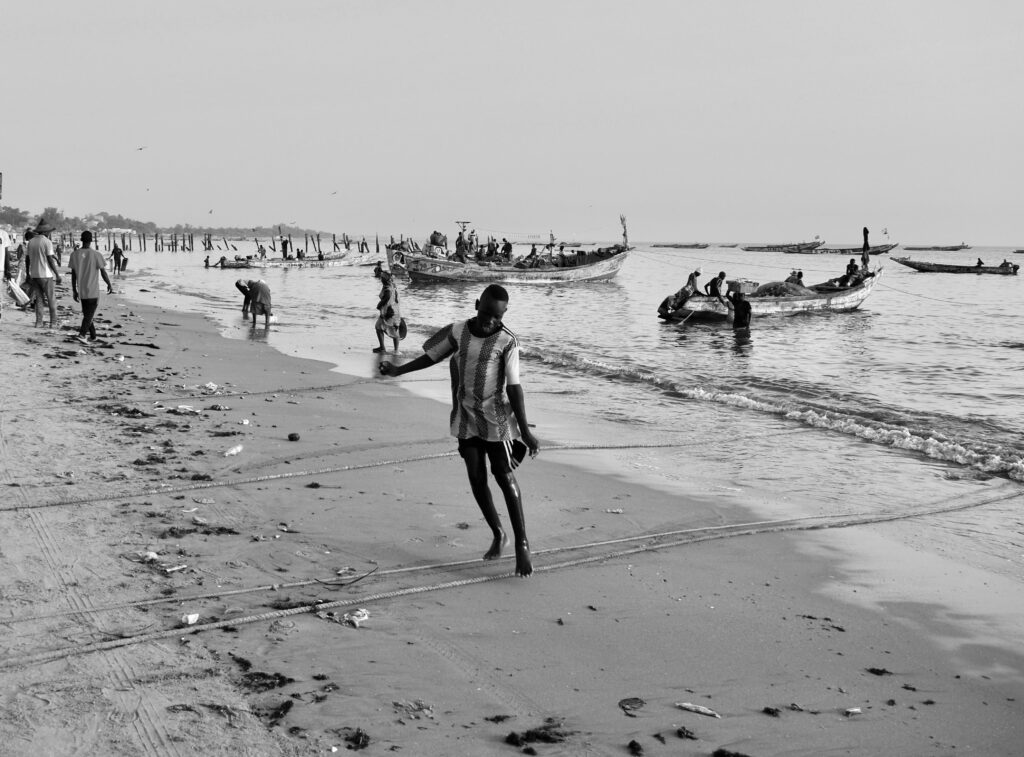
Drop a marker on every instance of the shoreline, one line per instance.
(524, 648)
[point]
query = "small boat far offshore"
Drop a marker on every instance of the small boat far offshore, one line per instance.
(1009, 269)
(788, 247)
(938, 248)
(681, 246)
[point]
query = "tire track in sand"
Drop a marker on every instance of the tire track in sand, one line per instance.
(151, 735)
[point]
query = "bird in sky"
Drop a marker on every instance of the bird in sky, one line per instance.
(140, 148)
(334, 192)
(211, 210)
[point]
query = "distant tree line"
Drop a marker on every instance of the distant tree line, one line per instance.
(21, 219)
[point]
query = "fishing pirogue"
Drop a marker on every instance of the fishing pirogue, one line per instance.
(434, 265)
(1005, 269)
(827, 297)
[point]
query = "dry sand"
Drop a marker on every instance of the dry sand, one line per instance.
(122, 518)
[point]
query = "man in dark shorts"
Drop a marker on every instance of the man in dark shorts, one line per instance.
(488, 411)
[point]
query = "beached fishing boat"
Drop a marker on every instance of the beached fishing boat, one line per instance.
(587, 265)
(822, 298)
(946, 248)
(877, 249)
(1009, 269)
(790, 247)
(681, 246)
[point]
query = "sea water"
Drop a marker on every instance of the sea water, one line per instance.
(910, 404)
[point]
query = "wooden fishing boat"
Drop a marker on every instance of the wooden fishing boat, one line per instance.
(825, 298)
(431, 265)
(925, 267)
(598, 265)
(680, 246)
(790, 247)
(877, 249)
(946, 248)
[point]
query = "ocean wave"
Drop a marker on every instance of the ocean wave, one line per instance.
(867, 422)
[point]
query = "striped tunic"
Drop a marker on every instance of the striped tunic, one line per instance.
(480, 369)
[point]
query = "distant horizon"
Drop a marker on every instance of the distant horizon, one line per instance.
(769, 122)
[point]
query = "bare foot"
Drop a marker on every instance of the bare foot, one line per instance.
(500, 541)
(524, 565)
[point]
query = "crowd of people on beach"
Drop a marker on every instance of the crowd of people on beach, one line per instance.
(32, 272)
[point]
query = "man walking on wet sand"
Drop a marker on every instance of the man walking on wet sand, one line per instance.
(87, 265)
(488, 411)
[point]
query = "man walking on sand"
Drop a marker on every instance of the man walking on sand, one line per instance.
(41, 266)
(488, 424)
(87, 265)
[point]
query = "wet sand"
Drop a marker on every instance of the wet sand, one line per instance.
(123, 520)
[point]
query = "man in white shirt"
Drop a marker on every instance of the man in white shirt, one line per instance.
(87, 265)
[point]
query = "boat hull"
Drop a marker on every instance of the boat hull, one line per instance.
(947, 248)
(701, 308)
(437, 270)
(878, 249)
(926, 267)
(795, 247)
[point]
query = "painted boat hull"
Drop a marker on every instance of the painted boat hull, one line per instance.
(701, 308)
(878, 249)
(437, 270)
(795, 247)
(926, 267)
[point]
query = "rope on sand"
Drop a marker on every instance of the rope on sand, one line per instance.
(343, 469)
(696, 536)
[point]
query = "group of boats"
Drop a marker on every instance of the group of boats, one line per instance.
(433, 263)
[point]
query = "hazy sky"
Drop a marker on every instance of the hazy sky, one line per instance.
(701, 121)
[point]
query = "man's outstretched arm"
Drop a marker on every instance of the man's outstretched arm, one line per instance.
(390, 369)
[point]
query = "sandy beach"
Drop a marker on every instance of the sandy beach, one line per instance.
(163, 597)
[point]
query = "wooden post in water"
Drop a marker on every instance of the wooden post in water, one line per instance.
(334, 241)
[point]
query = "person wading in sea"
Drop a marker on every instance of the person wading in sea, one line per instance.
(489, 411)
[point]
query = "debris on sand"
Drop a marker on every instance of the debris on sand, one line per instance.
(630, 704)
(274, 715)
(772, 711)
(358, 739)
(498, 718)
(293, 437)
(879, 671)
(699, 709)
(686, 733)
(635, 747)
(727, 753)
(260, 681)
(414, 710)
(551, 732)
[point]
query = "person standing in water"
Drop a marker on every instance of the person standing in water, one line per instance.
(488, 413)
(389, 321)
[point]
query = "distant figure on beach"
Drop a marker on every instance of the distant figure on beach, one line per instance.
(257, 300)
(489, 411)
(87, 265)
(865, 255)
(389, 320)
(41, 267)
(980, 264)
(741, 310)
(714, 287)
(118, 255)
(206, 261)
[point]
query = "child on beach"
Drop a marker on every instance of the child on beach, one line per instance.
(87, 265)
(489, 411)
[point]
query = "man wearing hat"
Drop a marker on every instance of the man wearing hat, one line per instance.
(41, 267)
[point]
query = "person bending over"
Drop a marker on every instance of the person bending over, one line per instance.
(488, 411)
